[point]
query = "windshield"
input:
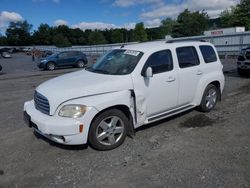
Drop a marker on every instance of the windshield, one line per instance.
(117, 62)
(54, 54)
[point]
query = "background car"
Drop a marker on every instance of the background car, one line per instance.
(67, 58)
(243, 62)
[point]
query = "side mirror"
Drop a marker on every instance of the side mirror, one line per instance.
(148, 73)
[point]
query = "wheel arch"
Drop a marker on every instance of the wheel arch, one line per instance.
(217, 84)
(123, 108)
(81, 59)
(51, 61)
(203, 85)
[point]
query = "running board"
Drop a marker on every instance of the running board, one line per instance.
(169, 113)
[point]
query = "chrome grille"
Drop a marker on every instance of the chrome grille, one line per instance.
(41, 103)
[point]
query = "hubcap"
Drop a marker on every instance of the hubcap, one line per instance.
(51, 67)
(81, 64)
(110, 130)
(211, 98)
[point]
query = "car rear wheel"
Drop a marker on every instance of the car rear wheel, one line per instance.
(108, 130)
(209, 98)
(80, 64)
(51, 66)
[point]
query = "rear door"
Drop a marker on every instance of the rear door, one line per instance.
(190, 73)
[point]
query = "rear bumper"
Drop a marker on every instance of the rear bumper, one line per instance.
(59, 129)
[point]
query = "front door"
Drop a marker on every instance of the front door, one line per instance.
(65, 58)
(161, 90)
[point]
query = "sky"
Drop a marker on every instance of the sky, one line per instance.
(101, 14)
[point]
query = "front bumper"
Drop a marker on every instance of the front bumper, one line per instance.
(59, 129)
(243, 64)
(41, 65)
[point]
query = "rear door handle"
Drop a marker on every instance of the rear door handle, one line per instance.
(170, 79)
(199, 72)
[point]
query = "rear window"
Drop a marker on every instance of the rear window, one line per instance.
(187, 56)
(208, 54)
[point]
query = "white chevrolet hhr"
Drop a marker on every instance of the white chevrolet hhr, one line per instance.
(127, 88)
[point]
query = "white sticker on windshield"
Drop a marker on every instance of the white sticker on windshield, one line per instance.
(132, 52)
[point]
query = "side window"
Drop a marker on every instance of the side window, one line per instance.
(187, 56)
(62, 55)
(208, 53)
(160, 62)
(70, 54)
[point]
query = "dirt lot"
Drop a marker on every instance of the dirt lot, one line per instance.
(189, 150)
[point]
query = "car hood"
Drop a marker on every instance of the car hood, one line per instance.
(81, 84)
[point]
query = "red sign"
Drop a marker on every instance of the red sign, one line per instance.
(217, 32)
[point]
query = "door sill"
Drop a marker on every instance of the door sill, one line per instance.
(169, 113)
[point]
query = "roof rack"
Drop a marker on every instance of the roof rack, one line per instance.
(173, 41)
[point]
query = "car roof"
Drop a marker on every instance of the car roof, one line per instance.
(161, 45)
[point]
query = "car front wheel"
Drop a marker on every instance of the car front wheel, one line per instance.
(108, 130)
(51, 66)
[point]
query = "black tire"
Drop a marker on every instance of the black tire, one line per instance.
(80, 64)
(207, 105)
(97, 130)
(241, 72)
(50, 66)
(0, 67)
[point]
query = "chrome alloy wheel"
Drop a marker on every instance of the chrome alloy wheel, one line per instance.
(211, 98)
(51, 66)
(110, 130)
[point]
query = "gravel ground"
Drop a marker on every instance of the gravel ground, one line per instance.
(189, 150)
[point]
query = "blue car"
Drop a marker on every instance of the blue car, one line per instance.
(68, 58)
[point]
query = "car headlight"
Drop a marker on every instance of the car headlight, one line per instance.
(43, 61)
(72, 111)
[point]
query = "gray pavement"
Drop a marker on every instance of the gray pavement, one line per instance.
(189, 150)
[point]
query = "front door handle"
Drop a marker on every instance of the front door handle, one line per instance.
(199, 72)
(170, 79)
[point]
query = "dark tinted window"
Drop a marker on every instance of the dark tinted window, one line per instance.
(208, 54)
(248, 54)
(160, 62)
(73, 53)
(187, 56)
(241, 58)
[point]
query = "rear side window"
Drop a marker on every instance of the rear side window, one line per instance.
(160, 62)
(208, 54)
(73, 53)
(187, 56)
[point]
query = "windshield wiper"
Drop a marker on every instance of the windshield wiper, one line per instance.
(100, 71)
